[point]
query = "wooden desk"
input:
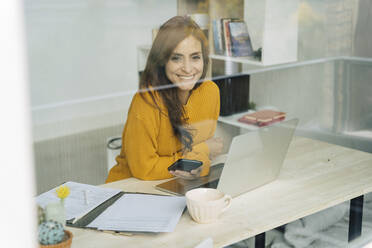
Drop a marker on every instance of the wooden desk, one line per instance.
(315, 176)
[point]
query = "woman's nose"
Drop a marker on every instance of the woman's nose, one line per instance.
(187, 67)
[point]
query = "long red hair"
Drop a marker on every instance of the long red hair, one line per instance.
(153, 78)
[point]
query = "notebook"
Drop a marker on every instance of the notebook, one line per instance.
(254, 159)
(263, 117)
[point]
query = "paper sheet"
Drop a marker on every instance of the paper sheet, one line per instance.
(142, 213)
(82, 199)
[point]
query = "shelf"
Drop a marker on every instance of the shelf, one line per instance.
(243, 60)
(233, 120)
(263, 68)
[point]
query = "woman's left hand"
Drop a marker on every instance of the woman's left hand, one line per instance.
(194, 174)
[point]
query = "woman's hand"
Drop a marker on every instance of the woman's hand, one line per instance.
(194, 174)
(215, 146)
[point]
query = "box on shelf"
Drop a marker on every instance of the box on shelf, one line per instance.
(234, 94)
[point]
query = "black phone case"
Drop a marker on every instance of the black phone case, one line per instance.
(185, 165)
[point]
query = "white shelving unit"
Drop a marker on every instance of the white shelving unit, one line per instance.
(273, 26)
(243, 60)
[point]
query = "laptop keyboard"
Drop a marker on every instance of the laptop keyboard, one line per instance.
(215, 172)
(180, 186)
(212, 184)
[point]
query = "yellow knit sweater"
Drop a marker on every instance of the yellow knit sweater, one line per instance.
(149, 144)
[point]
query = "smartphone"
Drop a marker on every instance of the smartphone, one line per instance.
(185, 165)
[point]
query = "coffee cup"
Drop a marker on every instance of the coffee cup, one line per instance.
(206, 205)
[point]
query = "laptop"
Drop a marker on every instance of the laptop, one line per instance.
(254, 159)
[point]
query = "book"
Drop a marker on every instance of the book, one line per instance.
(217, 39)
(222, 31)
(226, 35)
(240, 40)
(263, 117)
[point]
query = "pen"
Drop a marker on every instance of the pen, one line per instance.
(86, 200)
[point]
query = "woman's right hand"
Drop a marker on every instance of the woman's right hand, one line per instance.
(194, 174)
(215, 146)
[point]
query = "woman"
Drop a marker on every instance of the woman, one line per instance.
(175, 113)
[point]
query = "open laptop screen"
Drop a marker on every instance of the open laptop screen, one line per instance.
(254, 159)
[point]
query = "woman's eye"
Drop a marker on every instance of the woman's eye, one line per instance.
(196, 57)
(175, 58)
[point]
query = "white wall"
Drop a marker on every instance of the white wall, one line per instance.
(333, 100)
(18, 212)
(325, 29)
(83, 60)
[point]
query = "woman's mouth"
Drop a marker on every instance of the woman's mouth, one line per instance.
(184, 77)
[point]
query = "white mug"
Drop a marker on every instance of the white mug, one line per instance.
(206, 205)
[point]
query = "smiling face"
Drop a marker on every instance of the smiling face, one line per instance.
(185, 65)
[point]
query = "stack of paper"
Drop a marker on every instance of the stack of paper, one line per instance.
(133, 212)
(142, 213)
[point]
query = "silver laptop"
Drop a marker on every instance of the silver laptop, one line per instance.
(254, 159)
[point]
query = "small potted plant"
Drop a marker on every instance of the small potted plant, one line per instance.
(51, 232)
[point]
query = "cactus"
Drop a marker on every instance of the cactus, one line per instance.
(40, 215)
(51, 232)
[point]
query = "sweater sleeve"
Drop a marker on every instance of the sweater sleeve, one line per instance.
(141, 147)
(201, 151)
